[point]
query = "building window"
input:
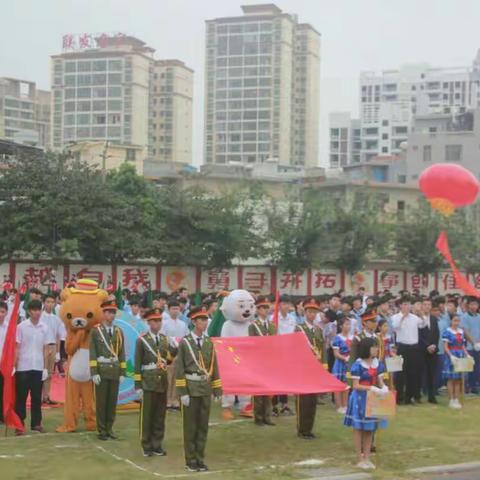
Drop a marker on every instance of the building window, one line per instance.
(401, 210)
(427, 153)
(131, 154)
(453, 153)
(384, 123)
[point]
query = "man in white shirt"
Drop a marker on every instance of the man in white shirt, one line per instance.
(3, 334)
(173, 327)
(32, 339)
(286, 325)
(55, 334)
(406, 325)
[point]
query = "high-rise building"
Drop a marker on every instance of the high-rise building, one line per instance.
(111, 88)
(390, 102)
(345, 140)
(24, 112)
(262, 88)
(171, 97)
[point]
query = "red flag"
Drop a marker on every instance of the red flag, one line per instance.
(460, 280)
(272, 365)
(7, 364)
(276, 310)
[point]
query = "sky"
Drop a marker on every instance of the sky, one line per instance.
(357, 35)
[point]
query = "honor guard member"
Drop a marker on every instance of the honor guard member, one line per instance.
(307, 404)
(107, 368)
(262, 404)
(196, 373)
(153, 353)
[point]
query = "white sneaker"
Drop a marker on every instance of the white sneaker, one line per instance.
(451, 403)
(342, 410)
(363, 465)
(369, 465)
(458, 405)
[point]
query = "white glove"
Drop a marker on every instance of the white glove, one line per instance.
(122, 378)
(57, 357)
(13, 371)
(376, 390)
(173, 342)
(96, 379)
(384, 389)
(44, 374)
(476, 346)
(139, 392)
(185, 399)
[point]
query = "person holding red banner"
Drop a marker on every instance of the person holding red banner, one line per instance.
(261, 326)
(367, 375)
(307, 403)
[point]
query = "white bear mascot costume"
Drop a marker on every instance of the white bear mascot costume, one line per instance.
(238, 308)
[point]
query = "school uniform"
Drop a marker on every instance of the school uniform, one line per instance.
(3, 334)
(31, 341)
(340, 367)
(455, 342)
(357, 402)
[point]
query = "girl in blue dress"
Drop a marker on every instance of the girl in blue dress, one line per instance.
(341, 350)
(367, 375)
(455, 347)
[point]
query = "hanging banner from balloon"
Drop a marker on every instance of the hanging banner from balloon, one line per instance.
(462, 283)
(448, 186)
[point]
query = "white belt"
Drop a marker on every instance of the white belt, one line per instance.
(150, 366)
(196, 377)
(107, 360)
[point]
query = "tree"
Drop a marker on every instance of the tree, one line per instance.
(415, 239)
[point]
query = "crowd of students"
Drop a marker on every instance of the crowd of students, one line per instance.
(352, 335)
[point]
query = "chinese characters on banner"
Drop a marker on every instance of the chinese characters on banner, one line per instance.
(33, 275)
(325, 281)
(390, 280)
(175, 277)
(138, 278)
(216, 279)
(99, 273)
(292, 283)
(257, 280)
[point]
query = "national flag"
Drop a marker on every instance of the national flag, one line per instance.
(215, 327)
(272, 365)
(7, 364)
(197, 300)
(460, 280)
(276, 310)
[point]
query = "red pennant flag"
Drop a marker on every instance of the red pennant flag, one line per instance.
(265, 366)
(7, 364)
(276, 310)
(462, 282)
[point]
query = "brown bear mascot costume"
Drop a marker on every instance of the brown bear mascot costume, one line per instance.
(80, 311)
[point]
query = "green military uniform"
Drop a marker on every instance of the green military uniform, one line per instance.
(152, 353)
(107, 359)
(356, 343)
(262, 404)
(307, 404)
(196, 373)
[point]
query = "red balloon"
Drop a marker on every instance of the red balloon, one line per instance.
(448, 186)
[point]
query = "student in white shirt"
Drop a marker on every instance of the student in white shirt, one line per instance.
(406, 325)
(55, 334)
(286, 325)
(30, 366)
(173, 327)
(3, 334)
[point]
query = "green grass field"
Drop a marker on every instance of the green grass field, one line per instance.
(419, 436)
